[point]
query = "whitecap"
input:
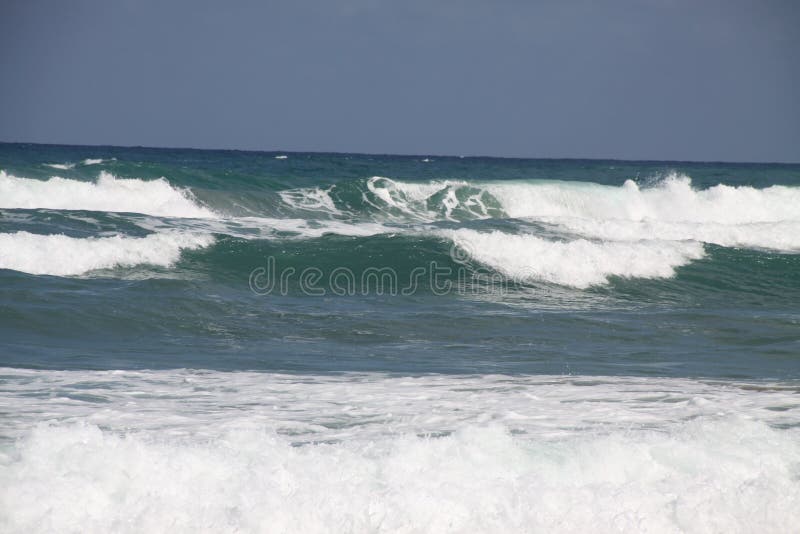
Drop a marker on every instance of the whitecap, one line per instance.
(107, 193)
(63, 255)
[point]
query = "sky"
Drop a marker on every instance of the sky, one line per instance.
(711, 80)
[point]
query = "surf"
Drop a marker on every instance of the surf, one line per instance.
(107, 193)
(63, 255)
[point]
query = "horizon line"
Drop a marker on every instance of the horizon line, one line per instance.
(408, 155)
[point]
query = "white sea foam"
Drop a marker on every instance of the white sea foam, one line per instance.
(61, 166)
(95, 161)
(671, 210)
(313, 198)
(184, 451)
(281, 157)
(62, 255)
(394, 201)
(671, 200)
(303, 228)
(451, 200)
(268, 227)
(579, 263)
(408, 198)
(108, 193)
(781, 236)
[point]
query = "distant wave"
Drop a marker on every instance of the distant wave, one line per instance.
(86, 162)
(108, 193)
(61, 166)
(96, 161)
(69, 256)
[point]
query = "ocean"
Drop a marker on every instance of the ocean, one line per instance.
(229, 341)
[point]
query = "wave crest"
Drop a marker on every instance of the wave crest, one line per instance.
(62, 255)
(579, 263)
(108, 193)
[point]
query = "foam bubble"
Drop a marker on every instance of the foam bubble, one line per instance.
(108, 193)
(62, 255)
(578, 263)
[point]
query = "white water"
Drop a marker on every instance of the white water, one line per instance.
(672, 199)
(313, 199)
(62, 255)
(766, 218)
(625, 231)
(108, 193)
(181, 451)
(61, 166)
(671, 210)
(577, 263)
(596, 231)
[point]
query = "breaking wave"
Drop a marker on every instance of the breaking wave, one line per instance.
(69, 256)
(107, 193)
(576, 234)
(578, 263)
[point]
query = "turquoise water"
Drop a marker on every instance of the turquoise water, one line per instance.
(270, 329)
(730, 313)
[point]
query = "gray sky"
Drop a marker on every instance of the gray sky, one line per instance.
(646, 79)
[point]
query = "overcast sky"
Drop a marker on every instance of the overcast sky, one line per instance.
(647, 79)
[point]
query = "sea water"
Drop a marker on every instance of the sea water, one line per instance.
(298, 342)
